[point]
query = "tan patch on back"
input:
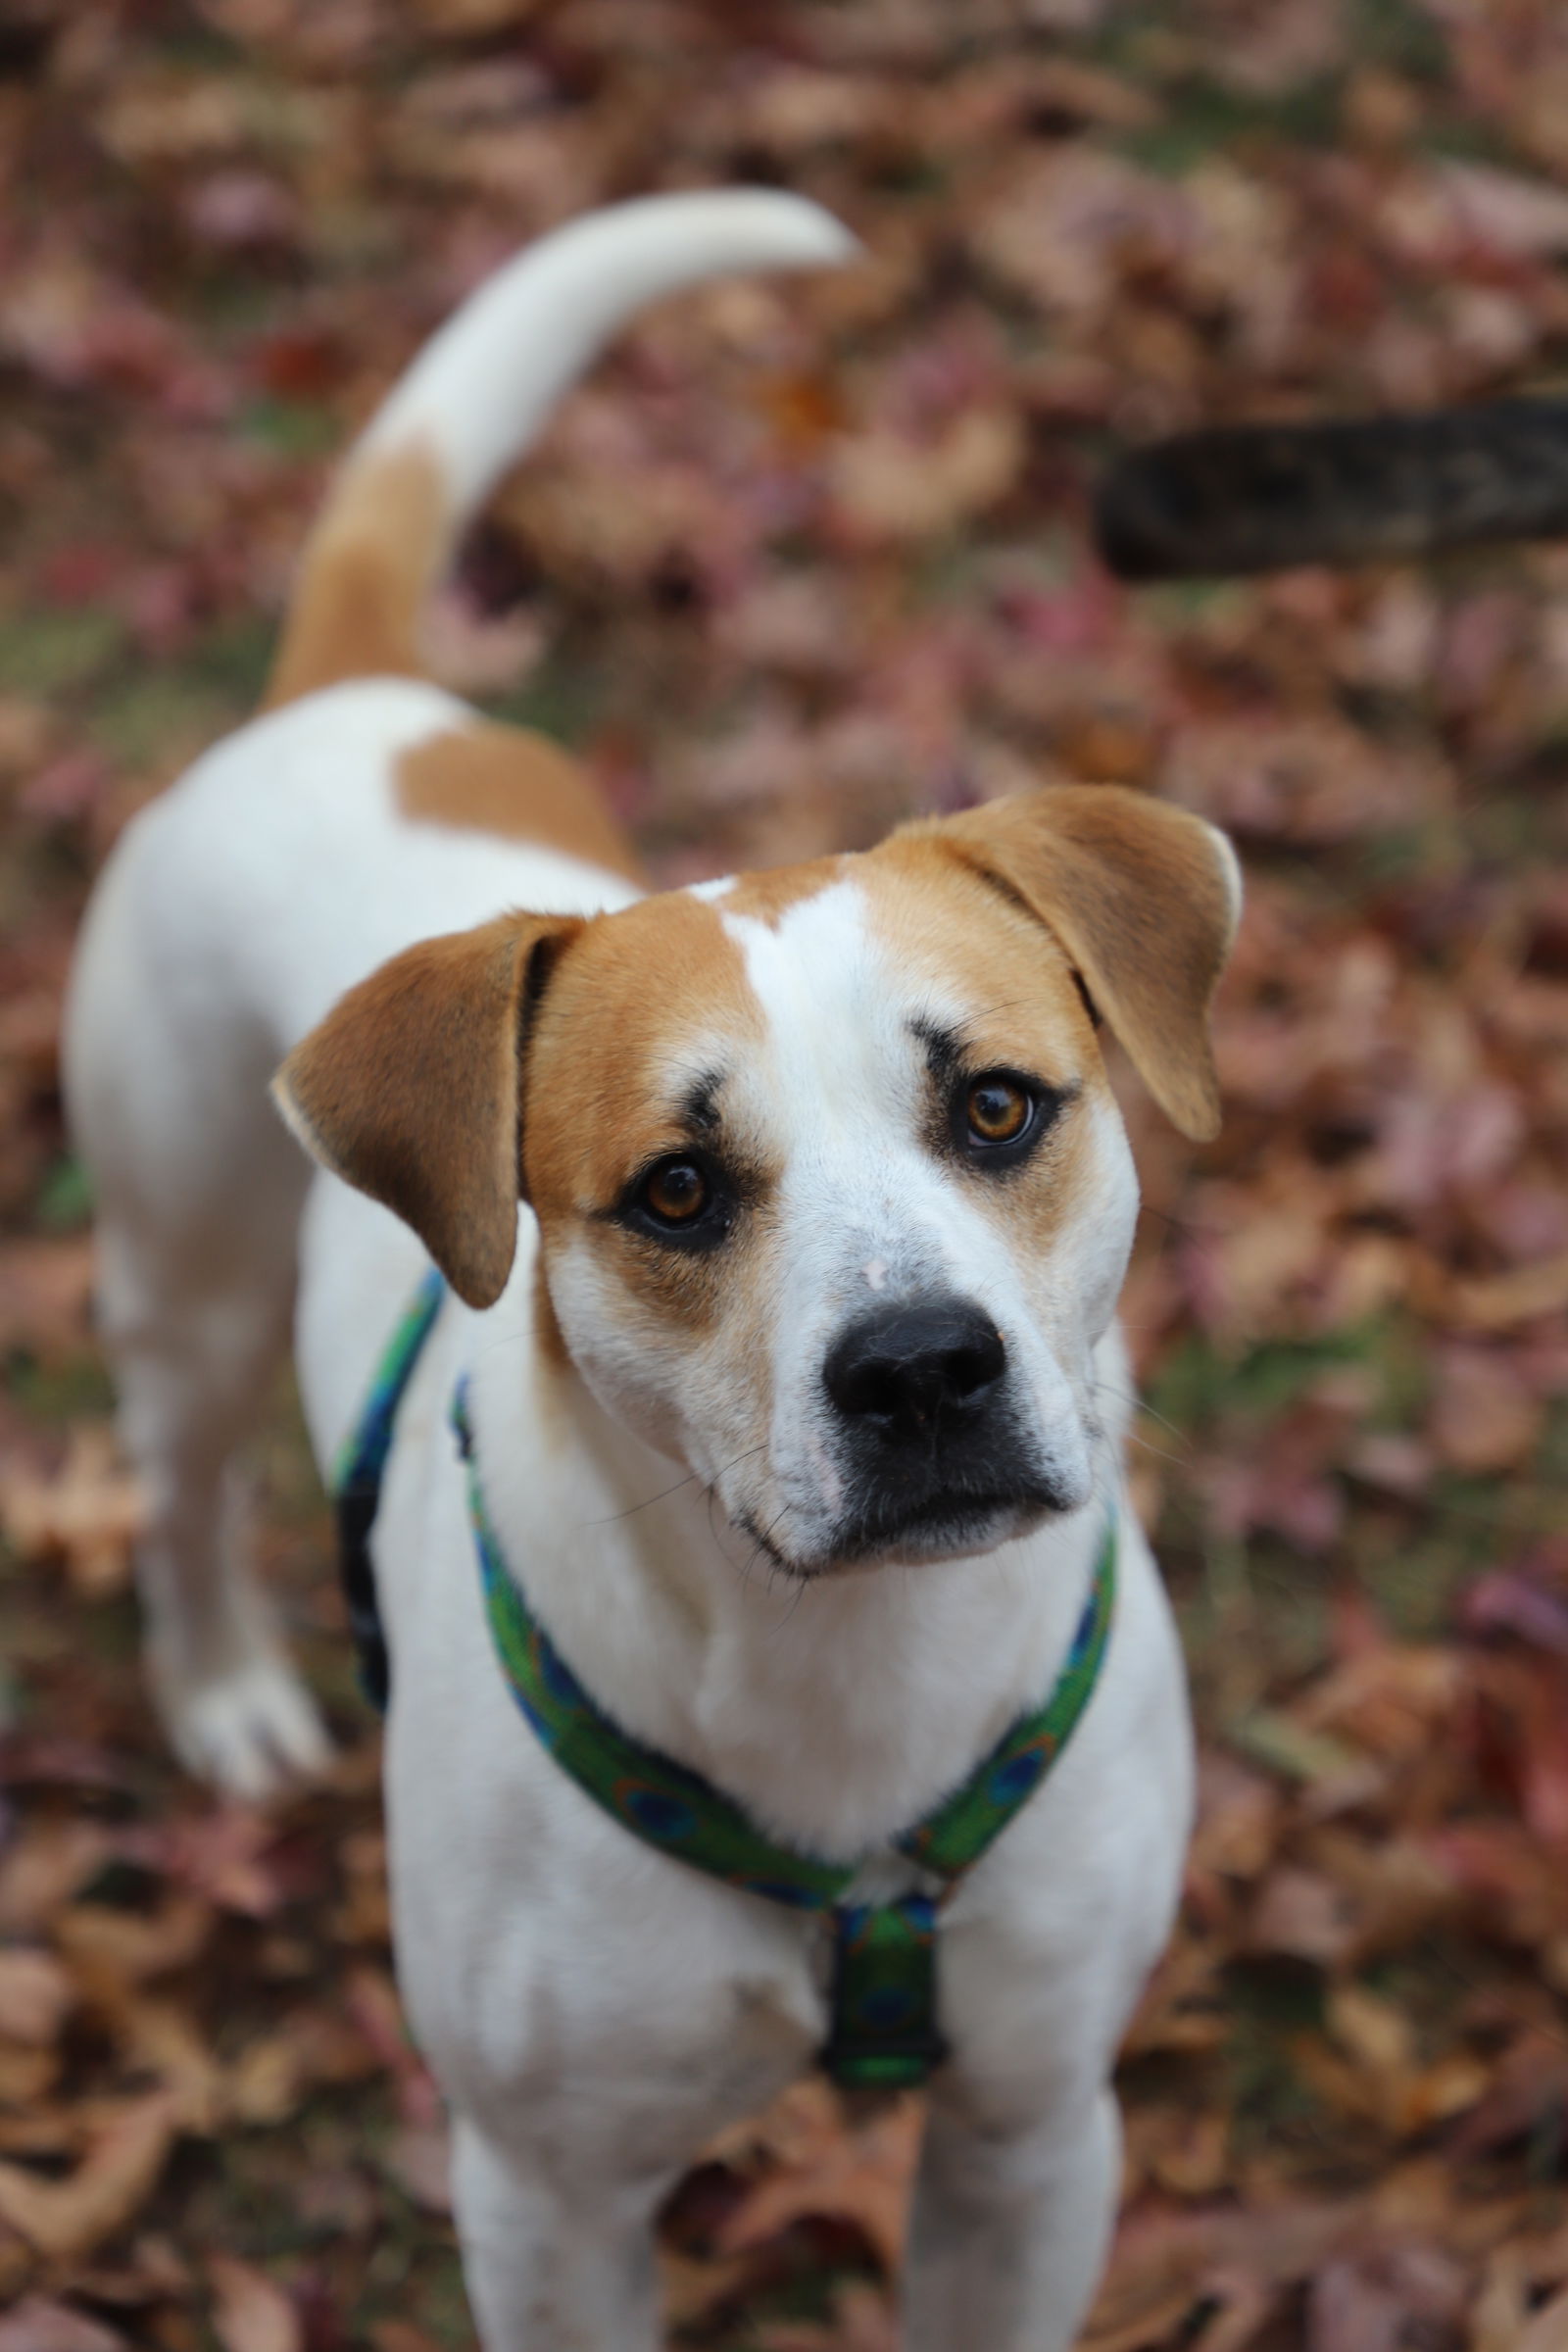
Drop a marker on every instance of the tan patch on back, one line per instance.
(501, 780)
(368, 567)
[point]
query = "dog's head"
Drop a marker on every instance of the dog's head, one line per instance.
(833, 1196)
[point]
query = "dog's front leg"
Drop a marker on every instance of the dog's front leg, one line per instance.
(1010, 2230)
(550, 2268)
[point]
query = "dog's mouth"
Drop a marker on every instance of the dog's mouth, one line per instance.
(947, 1524)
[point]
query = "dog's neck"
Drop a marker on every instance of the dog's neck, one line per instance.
(836, 1711)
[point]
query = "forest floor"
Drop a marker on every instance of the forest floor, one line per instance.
(798, 562)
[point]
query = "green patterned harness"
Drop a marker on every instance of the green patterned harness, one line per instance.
(884, 2028)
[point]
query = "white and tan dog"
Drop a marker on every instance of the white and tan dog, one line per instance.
(809, 1184)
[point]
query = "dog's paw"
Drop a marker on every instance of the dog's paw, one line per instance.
(252, 1731)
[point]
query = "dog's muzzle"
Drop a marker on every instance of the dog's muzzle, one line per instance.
(934, 1455)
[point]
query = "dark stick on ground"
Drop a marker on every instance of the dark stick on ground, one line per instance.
(1261, 497)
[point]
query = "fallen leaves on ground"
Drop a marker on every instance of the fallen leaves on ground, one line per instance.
(802, 560)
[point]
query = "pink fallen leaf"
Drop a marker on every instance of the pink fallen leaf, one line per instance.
(251, 2313)
(87, 1515)
(35, 1997)
(420, 2160)
(67, 2219)
(36, 2324)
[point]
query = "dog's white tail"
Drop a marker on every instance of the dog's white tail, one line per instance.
(477, 395)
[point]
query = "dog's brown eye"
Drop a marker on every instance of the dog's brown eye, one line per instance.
(675, 1192)
(999, 1110)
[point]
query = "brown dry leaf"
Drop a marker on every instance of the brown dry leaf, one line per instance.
(264, 2082)
(862, 2174)
(251, 2313)
(1352, 2309)
(1493, 1302)
(314, 2046)
(44, 1868)
(1182, 2007)
(1157, 2323)
(38, 2326)
(1240, 1815)
(67, 2219)
(418, 2158)
(1190, 2156)
(399, 2336)
(1164, 2261)
(1487, 1416)
(861, 2322)
(25, 2075)
(1303, 1914)
(1497, 2321)
(1547, 2329)
(136, 1946)
(88, 1515)
(163, 2038)
(890, 488)
(44, 1290)
(28, 731)
(35, 1997)
(1371, 2031)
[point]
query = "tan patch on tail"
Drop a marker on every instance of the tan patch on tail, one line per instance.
(368, 568)
(485, 779)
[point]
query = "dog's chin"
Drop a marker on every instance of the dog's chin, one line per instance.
(942, 1527)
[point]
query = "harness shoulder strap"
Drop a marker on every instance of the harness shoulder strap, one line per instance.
(952, 1839)
(356, 1487)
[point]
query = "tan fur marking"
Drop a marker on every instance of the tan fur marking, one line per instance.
(410, 1088)
(547, 1327)
(502, 780)
(370, 563)
(1138, 895)
(768, 897)
(945, 924)
(647, 1003)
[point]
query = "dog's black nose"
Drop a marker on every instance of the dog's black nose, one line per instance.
(898, 1367)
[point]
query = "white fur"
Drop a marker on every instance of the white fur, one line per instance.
(483, 386)
(594, 2011)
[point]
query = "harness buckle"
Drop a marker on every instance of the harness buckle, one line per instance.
(884, 2034)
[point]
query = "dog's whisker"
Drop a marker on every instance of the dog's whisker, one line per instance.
(1138, 1405)
(1158, 1453)
(615, 1518)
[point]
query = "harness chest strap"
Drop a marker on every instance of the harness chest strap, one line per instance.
(884, 2029)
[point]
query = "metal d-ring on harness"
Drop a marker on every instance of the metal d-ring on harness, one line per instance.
(884, 2029)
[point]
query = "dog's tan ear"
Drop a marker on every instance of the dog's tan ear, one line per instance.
(1144, 898)
(411, 1090)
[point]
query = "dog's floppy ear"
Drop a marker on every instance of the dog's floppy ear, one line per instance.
(1144, 898)
(411, 1090)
